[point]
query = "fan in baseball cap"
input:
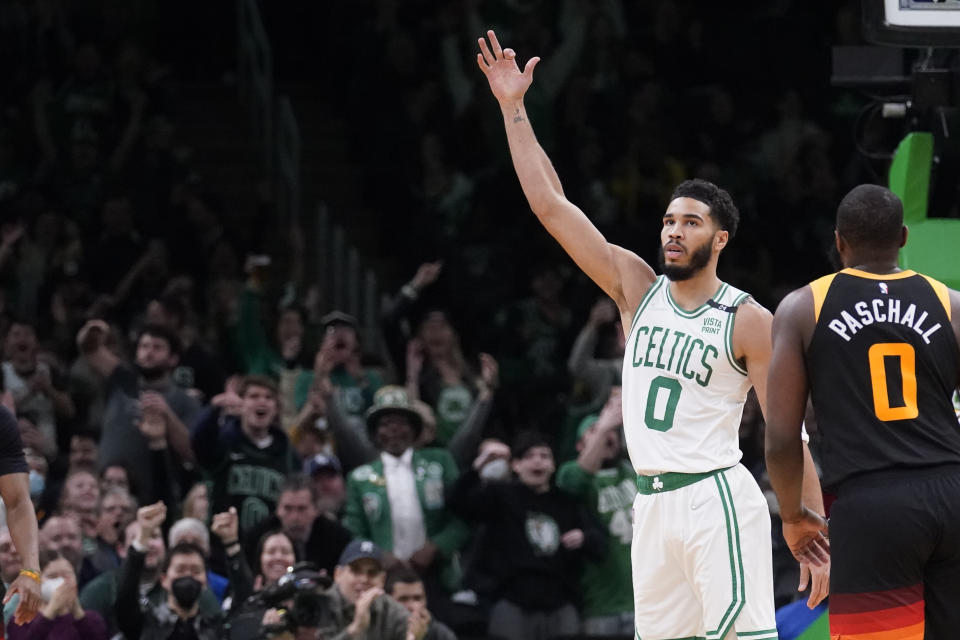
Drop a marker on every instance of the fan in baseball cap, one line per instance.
(322, 462)
(360, 550)
(359, 569)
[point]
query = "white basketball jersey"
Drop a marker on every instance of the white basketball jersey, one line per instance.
(683, 391)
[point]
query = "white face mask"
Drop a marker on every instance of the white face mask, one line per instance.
(48, 586)
(498, 469)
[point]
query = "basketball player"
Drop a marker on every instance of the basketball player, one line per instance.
(701, 549)
(876, 348)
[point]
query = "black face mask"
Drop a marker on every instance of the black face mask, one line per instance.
(186, 591)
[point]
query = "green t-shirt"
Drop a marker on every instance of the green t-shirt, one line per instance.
(609, 494)
(354, 399)
(452, 408)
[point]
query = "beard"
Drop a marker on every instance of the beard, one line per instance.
(678, 273)
(151, 374)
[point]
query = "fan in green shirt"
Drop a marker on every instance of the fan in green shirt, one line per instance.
(604, 481)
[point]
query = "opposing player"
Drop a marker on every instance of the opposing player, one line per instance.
(876, 348)
(701, 550)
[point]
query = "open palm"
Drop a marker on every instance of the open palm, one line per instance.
(506, 80)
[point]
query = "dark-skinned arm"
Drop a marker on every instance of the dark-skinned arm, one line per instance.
(787, 403)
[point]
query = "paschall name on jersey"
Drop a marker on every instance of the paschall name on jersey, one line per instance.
(882, 310)
(675, 351)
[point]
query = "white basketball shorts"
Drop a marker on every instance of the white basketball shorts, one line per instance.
(702, 560)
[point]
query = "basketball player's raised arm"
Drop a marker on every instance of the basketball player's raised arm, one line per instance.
(620, 273)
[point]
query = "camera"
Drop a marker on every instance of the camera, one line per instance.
(305, 585)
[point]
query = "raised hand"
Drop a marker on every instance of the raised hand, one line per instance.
(150, 518)
(361, 616)
(426, 275)
(225, 525)
(92, 335)
(612, 413)
(418, 623)
(507, 82)
(490, 451)
(489, 371)
(228, 401)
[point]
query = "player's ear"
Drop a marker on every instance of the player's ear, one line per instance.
(904, 232)
(720, 239)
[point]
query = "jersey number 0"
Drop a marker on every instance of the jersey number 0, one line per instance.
(880, 356)
(662, 386)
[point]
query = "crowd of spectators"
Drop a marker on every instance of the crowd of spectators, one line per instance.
(192, 435)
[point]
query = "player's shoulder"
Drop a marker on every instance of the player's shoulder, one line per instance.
(636, 277)
(797, 301)
(751, 309)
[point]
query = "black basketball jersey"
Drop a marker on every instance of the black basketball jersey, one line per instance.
(883, 364)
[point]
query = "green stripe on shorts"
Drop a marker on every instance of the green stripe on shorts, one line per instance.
(738, 595)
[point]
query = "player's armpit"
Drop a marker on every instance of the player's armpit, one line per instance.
(751, 344)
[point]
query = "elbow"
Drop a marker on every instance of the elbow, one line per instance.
(776, 444)
(543, 208)
(545, 203)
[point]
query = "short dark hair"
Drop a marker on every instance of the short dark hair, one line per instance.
(402, 574)
(257, 381)
(159, 331)
(182, 549)
(527, 440)
(721, 204)
(294, 308)
(296, 482)
(50, 555)
(14, 320)
(870, 216)
(87, 432)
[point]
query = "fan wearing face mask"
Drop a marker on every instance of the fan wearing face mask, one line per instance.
(183, 577)
(61, 617)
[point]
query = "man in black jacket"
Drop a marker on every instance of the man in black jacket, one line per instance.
(240, 445)
(315, 537)
(534, 542)
(184, 574)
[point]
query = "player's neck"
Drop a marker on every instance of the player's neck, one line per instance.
(693, 292)
(874, 266)
(880, 261)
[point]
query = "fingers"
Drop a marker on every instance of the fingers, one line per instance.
(497, 49)
(488, 57)
(816, 551)
(804, 577)
(531, 64)
(820, 588)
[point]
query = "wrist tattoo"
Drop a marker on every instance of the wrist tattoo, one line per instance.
(517, 117)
